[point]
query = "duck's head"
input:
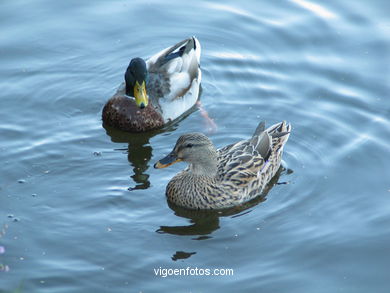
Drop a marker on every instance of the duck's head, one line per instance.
(135, 78)
(195, 149)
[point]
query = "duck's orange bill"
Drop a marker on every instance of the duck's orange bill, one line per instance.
(167, 161)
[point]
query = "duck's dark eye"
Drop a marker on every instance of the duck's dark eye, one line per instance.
(190, 145)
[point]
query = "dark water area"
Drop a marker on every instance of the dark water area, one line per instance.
(83, 210)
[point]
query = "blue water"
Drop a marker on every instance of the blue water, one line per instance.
(83, 210)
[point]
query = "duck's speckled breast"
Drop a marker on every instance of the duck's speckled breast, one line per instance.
(198, 192)
(122, 113)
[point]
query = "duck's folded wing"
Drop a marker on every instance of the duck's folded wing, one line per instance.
(239, 164)
(243, 162)
(176, 68)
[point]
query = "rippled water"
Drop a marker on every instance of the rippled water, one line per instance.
(84, 211)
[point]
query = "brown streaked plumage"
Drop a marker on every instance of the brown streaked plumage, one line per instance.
(230, 176)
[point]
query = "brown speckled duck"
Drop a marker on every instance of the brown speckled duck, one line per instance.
(230, 176)
(157, 91)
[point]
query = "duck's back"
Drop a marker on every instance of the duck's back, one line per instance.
(175, 78)
(247, 166)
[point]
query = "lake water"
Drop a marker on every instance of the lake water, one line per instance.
(83, 210)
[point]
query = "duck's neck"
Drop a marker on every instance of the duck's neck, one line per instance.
(207, 166)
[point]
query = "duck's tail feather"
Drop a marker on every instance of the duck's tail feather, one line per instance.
(261, 140)
(179, 50)
(259, 129)
(264, 140)
(280, 133)
(279, 127)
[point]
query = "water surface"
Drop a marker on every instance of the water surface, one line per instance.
(83, 209)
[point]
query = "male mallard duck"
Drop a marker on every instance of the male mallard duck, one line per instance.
(157, 91)
(230, 176)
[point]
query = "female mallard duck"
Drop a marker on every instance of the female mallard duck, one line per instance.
(217, 179)
(157, 91)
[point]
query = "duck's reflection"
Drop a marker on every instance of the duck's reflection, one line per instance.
(204, 222)
(139, 153)
(182, 255)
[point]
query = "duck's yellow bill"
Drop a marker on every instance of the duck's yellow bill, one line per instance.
(141, 98)
(167, 161)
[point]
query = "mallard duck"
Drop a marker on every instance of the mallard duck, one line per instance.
(230, 176)
(158, 90)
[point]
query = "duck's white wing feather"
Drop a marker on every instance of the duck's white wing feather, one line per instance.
(175, 76)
